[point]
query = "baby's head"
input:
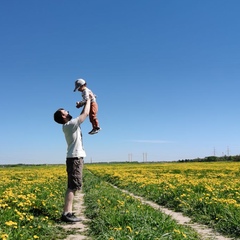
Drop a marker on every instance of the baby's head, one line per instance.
(80, 85)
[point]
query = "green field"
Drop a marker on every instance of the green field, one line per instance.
(32, 200)
(207, 192)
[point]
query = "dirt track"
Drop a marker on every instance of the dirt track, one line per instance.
(205, 232)
(79, 227)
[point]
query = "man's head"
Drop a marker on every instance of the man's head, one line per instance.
(62, 116)
(79, 83)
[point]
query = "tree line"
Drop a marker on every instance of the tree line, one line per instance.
(224, 158)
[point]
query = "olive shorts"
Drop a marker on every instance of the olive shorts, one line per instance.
(74, 167)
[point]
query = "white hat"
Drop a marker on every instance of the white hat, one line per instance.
(79, 83)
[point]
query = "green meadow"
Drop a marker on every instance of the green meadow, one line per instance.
(32, 198)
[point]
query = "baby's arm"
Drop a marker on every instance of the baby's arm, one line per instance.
(85, 95)
(84, 100)
(80, 104)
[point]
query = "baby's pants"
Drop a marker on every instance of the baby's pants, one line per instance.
(93, 114)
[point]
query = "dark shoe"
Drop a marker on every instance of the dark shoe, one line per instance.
(70, 217)
(94, 131)
(97, 128)
(91, 132)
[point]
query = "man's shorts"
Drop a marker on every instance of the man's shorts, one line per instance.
(74, 170)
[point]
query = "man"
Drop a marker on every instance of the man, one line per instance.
(75, 155)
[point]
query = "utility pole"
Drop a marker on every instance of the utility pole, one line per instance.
(144, 157)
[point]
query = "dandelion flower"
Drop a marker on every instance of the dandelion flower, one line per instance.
(129, 228)
(4, 236)
(10, 223)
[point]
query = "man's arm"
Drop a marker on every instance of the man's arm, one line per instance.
(85, 111)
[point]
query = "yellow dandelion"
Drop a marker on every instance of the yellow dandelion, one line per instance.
(129, 228)
(184, 235)
(4, 236)
(117, 229)
(11, 223)
(176, 231)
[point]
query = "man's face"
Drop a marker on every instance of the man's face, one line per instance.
(66, 115)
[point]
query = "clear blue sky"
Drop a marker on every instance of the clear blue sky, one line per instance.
(166, 73)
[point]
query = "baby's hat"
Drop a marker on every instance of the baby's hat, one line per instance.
(78, 83)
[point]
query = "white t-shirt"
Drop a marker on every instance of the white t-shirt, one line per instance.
(73, 136)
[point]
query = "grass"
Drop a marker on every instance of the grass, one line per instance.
(117, 216)
(31, 200)
(207, 192)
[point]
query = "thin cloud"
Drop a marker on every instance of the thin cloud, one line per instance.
(151, 141)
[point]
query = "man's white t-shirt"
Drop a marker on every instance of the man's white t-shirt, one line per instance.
(73, 136)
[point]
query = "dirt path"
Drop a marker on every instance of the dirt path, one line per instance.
(79, 227)
(205, 232)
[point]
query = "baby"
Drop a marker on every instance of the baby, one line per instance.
(81, 85)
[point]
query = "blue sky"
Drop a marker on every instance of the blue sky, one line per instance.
(166, 74)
